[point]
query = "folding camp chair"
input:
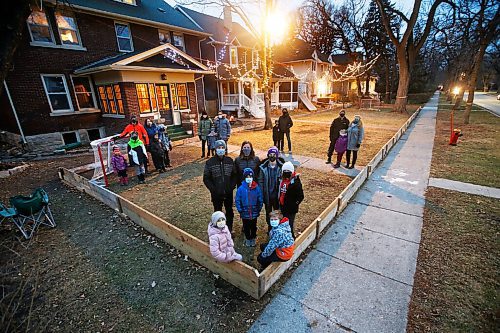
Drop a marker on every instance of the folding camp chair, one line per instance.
(6, 213)
(31, 212)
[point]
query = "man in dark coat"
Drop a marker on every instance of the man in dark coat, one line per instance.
(339, 123)
(219, 177)
(285, 123)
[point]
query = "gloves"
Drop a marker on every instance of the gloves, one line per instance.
(358, 145)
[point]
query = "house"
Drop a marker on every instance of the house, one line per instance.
(234, 54)
(84, 66)
(348, 86)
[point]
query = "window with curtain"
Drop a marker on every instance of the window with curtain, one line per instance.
(39, 27)
(68, 30)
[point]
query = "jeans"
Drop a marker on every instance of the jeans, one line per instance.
(291, 220)
(250, 228)
(140, 169)
(331, 148)
(354, 156)
(227, 201)
(282, 142)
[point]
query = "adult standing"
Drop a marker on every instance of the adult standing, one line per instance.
(291, 193)
(151, 129)
(269, 179)
(219, 177)
(204, 126)
(247, 159)
(285, 123)
(355, 135)
(222, 128)
(339, 123)
(134, 126)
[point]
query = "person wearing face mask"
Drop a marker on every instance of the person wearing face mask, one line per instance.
(204, 126)
(268, 179)
(222, 128)
(247, 159)
(220, 240)
(285, 123)
(338, 124)
(219, 177)
(291, 193)
(151, 129)
(355, 134)
(134, 126)
(249, 203)
(281, 242)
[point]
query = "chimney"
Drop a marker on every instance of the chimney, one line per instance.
(228, 20)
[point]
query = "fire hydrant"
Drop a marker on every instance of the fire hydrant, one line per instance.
(454, 136)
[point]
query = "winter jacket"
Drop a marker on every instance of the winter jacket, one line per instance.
(341, 144)
(285, 123)
(355, 136)
(221, 244)
(155, 147)
(222, 128)
(337, 125)
(219, 175)
(249, 200)
(137, 152)
(211, 140)
(277, 135)
(141, 131)
(151, 131)
(293, 197)
(204, 127)
(240, 163)
(263, 178)
(281, 241)
(118, 162)
(165, 141)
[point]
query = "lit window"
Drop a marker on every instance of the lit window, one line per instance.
(163, 96)
(255, 59)
(179, 41)
(182, 96)
(147, 97)
(39, 27)
(68, 30)
(233, 56)
(128, 2)
(84, 92)
(111, 99)
(164, 37)
(124, 37)
(57, 92)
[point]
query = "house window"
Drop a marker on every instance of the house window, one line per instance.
(147, 97)
(94, 134)
(164, 37)
(182, 95)
(233, 56)
(68, 30)
(179, 41)
(124, 37)
(255, 59)
(70, 137)
(57, 92)
(84, 92)
(39, 27)
(163, 96)
(110, 97)
(128, 2)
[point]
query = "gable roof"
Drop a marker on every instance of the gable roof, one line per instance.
(155, 12)
(296, 50)
(345, 58)
(215, 26)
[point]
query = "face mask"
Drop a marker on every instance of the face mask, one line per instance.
(249, 180)
(356, 120)
(221, 223)
(246, 151)
(204, 117)
(274, 222)
(287, 174)
(220, 151)
(272, 158)
(134, 122)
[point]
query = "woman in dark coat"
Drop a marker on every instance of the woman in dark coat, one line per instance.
(204, 127)
(247, 159)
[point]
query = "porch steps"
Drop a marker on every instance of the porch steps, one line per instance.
(177, 132)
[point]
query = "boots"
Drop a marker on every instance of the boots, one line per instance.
(141, 178)
(329, 160)
(122, 181)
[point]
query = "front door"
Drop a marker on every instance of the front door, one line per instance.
(164, 106)
(176, 113)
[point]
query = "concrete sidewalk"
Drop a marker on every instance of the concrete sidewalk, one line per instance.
(360, 275)
(453, 185)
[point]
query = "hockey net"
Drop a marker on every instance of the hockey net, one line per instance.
(103, 151)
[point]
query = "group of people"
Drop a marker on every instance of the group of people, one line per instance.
(210, 131)
(281, 128)
(345, 137)
(271, 184)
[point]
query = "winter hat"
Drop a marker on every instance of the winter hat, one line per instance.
(216, 216)
(273, 150)
(288, 166)
(247, 171)
(134, 136)
(219, 143)
(161, 127)
(116, 148)
(283, 220)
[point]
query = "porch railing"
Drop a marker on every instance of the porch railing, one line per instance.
(231, 99)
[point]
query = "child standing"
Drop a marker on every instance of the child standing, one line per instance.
(340, 147)
(249, 201)
(119, 164)
(166, 144)
(156, 149)
(221, 243)
(281, 244)
(277, 134)
(211, 138)
(137, 156)
(290, 194)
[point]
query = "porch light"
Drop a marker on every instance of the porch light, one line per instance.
(456, 90)
(163, 76)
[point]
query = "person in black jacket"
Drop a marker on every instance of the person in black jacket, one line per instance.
(285, 123)
(339, 123)
(247, 159)
(157, 153)
(290, 194)
(219, 177)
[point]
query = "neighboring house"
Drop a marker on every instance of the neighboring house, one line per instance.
(234, 54)
(84, 66)
(349, 87)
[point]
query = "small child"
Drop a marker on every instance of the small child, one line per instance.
(211, 138)
(119, 164)
(281, 244)
(340, 147)
(166, 143)
(219, 236)
(157, 153)
(249, 201)
(277, 135)
(138, 156)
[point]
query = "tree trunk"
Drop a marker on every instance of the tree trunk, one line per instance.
(473, 81)
(403, 84)
(267, 107)
(358, 83)
(387, 82)
(367, 84)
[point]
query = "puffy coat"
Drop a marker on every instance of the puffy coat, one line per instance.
(118, 162)
(263, 178)
(151, 131)
(221, 244)
(222, 128)
(241, 163)
(137, 155)
(293, 197)
(249, 200)
(143, 135)
(285, 123)
(281, 241)
(219, 175)
(355, 136)
(337, 125)
(204, 128)
(341, 144)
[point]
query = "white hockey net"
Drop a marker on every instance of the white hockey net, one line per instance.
(103, 151)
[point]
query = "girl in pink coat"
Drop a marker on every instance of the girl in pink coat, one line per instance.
(221, 243)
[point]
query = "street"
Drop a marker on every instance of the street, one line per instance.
(487, 101)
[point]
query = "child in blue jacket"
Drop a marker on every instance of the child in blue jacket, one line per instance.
(249, 201)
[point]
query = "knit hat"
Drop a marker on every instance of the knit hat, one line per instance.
(216, 216)
(115, 148)
(288, 166)
(219, 143)
(273, 150)
(247, 171)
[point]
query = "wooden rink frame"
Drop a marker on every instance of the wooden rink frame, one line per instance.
(241, 275)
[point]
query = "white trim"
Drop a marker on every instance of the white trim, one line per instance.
(149, 114)
(74, 113)
(91, 88)
(109, 115)
(71, 109)
(131, 39)
(58, 46)
(14, 111)
(235, 39)
(50, 30)
(80, 44)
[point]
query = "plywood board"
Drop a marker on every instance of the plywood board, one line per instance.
(351, 189)
(327, 216)
(375, 161)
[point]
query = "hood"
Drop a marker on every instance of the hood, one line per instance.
(134, 143)
(215, 231)
(280, 161)
(252, 186)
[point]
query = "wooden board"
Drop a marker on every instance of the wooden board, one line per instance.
(274, 271)
(327, 216)
(375, 161)
(237, 273)
(351, 189)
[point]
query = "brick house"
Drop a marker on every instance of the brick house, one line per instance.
(84, 66)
